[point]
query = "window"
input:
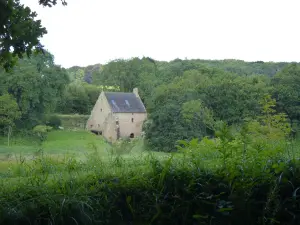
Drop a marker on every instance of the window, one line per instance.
(132, 120)
(131, 135)
(101, 110)
(91, 125)
(117, 122)
(98, 125)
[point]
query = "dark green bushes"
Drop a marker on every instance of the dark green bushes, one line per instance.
(73, 121)
(166, 192)
(54, 121)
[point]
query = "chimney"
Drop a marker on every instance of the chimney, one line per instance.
(136, 92)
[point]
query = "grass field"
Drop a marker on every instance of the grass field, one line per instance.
(82, 151)
(58, 142)
(64, 149)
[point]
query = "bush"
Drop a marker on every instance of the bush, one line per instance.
(72, 121)
(54, 121)
(168, 193)
(41, 131)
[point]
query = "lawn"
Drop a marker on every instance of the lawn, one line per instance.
(58, 142)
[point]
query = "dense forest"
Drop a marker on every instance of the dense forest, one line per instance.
(185, 99)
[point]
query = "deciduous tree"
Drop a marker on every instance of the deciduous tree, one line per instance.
(9, 111)
(36, 85)
(19, 31)
(287, 91)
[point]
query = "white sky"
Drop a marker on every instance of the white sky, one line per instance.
(96, 31)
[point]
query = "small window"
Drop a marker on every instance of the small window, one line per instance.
(98, 125)
(132, 120)
(101, 110)
(131, 135)
(91, 125)
(117, 122)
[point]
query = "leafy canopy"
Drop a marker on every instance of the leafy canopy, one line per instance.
(19, 31)
(9, 111)
(286, 91)
(36, 84)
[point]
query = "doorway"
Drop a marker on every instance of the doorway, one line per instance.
(96, 132)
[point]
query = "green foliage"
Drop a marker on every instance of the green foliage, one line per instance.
(9, 111)
(93, 92)
(233, 98)
(128, 74)
(50, 3)
(36, 85)
(185, 98)
(168, 121)
(75, 100)
(244, 68)
(54, 121)
(190, 106)
(80, 97)
(76, 73)
(202, 183)
(123, 146)
(73, 121)
(229, 89)
(286, 91)
(188, 188)
(41, 131)
(272, 120)
(19, 30)
(194, 112)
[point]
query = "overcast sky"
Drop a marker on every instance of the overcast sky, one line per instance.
(96, 31)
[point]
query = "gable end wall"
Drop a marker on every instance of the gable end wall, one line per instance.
(97, 119)
(127, 126)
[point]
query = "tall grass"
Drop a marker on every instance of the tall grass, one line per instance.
(193, 186)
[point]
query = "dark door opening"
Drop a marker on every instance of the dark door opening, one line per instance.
(131, 135)
(96, 132)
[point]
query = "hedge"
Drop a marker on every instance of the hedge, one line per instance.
(73, 121)
(166, 194)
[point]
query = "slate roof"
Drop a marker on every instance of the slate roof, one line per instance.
(122, 102)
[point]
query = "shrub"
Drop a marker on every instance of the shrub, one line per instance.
(41, 131)
(71, 121)
(54, 121)
(167, 193)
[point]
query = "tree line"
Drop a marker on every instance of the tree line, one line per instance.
(189, 98)
(184, 98)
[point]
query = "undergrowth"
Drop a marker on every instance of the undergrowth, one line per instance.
(232, 179)
(184, 188)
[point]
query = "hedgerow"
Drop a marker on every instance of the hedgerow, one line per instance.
(150, 190)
